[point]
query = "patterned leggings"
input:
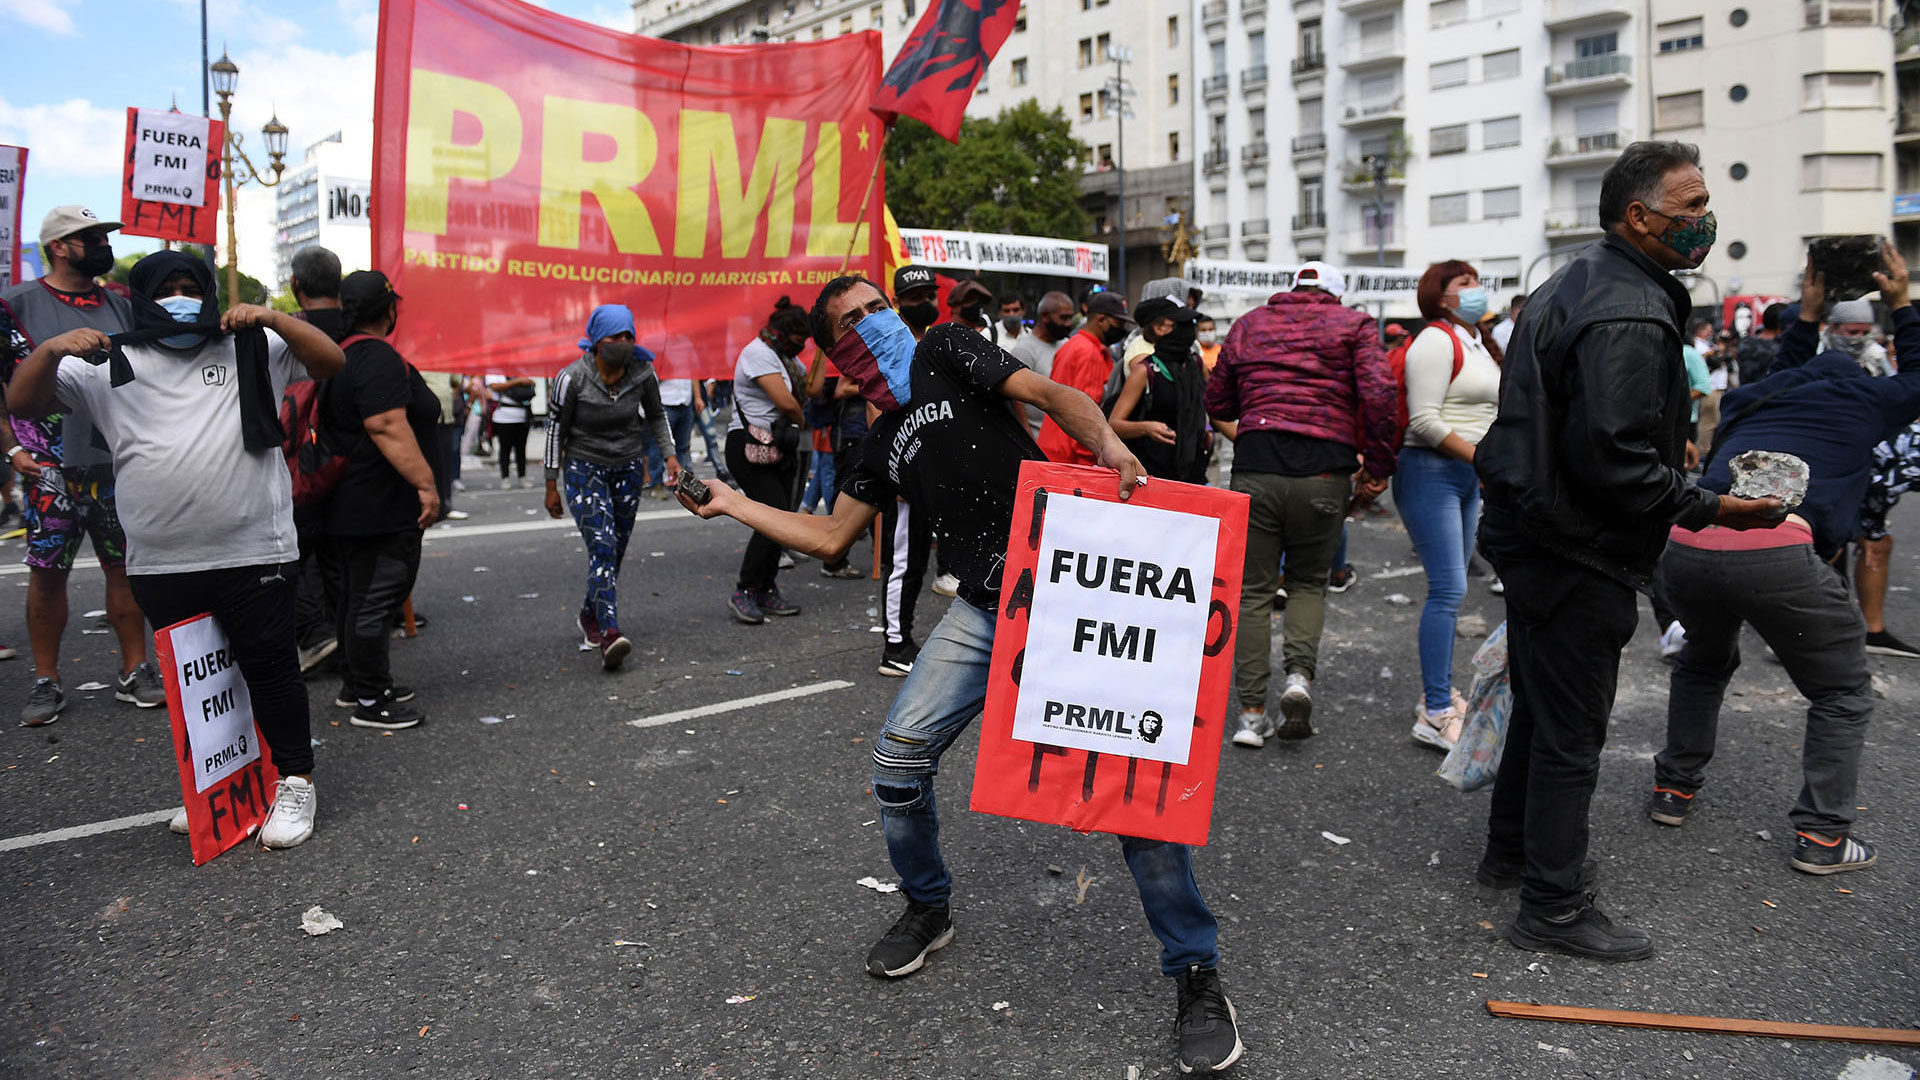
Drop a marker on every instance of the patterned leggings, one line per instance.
(604, 499)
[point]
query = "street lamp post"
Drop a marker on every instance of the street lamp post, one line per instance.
(1379, 166)
(1118, 91)
(226, 76)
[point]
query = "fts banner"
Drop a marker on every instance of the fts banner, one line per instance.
(530, 167)
(170, 184)
(226, 777)
(13, 180)
(1113, 657)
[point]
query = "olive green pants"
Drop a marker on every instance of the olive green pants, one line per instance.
(1298, 518)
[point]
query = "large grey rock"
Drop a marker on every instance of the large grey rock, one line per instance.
(1760, 474)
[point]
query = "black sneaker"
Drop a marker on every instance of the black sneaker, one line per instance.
(1206, 1025)
(772, 603)
(1885, 644)
(1669, 807)
(897, 660)
(1504, 876)
(1341, 580)
(386, 714)
(1813, 854)
(921, 930)
(347, 699)
(1581, 931)
(745, 608)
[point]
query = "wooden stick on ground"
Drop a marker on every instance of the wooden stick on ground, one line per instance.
(406, 617)
(1715, 1025)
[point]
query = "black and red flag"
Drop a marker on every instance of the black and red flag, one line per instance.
(933, 77)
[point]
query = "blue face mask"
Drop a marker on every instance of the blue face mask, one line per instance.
(184, 309)
(877, 354)
(1472, 305)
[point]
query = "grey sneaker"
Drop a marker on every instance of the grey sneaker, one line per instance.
(1253, 731)
(1296, 708)
(141, 687)
(44, 702)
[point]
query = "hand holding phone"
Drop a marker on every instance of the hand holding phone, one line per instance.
(693, 488)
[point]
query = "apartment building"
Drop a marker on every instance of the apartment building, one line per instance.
(1060, 54)
(1402, 132)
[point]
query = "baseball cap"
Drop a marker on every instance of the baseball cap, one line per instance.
(1394, 329)
(967, 291)
(363, 287)
(1108, 303)
(1321, 276)
(63, 221)
(911, 277)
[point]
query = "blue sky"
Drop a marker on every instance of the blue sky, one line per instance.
(75, 65)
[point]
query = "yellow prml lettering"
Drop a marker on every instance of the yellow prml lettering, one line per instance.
(826, 233)
(434, 160)
(566, 176)
(710, 160)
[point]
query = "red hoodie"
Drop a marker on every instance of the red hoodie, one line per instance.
(1084, 364)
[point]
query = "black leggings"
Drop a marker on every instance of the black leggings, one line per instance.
(379, 572)
(769, 484)
(511, 440)
(255, 606)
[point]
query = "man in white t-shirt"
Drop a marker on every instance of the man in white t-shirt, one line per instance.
(512, 419)
(676, 396)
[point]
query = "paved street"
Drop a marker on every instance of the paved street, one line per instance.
(485, 872)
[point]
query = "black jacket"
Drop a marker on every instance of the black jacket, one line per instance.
(1584, 459)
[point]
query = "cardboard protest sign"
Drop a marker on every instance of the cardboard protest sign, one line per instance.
(1113, 655)
(170, 183)
(13, 180)
(225, 777)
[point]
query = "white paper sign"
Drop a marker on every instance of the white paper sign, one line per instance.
(13, 169)
(349, 202)
(214, 701)
(170, 157)
(1118, 629)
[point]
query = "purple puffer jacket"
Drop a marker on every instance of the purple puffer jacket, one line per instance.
(1305, 364)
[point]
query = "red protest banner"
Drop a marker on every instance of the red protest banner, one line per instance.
(530, 167)
(226, 776)
(184, 212)
(1113, 659)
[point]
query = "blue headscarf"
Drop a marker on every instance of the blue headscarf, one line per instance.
(606, 321)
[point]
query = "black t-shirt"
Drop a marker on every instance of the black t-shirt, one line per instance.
(1284, 453)
(954, 452)
(373, 499)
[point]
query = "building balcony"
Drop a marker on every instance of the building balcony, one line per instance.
(1367, 5)
(1906, 126)
(1216, 232)
(1254, 153)
(1215, 159)
(1906, 208)
(1254, 77)
(1608, 72)
(1213, 11)
(1573, 223)
(1371, 239)
(1906, 46)
(1312, 144)
(1581, 14)
(1313, 224)
(1311, 64)
(1375, 112)
(1358, 53)
(1252, 7)
(1214, 86)
(1591, 148)
(1358, 176)
(1255, 228)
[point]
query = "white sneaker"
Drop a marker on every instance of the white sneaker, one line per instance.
(458, 515)
(179, 822)
(1497, 588)
(1253, 730)
(946, 585)
(459, 486)
(506, 484)
(1439, 730)
(1673, 641)
(786, 560)
(290, 822)
(1296, 708)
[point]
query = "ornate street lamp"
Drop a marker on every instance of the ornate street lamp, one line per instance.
(226, 77)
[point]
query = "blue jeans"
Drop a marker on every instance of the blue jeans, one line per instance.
(820, 486)
(680, 423)
(941, 697)
(1439, 500)
(604, 500)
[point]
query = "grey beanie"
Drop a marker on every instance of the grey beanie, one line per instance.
(1850, 311)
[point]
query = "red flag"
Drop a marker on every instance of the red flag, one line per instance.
(933, 77)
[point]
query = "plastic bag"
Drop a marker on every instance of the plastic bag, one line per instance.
(1475, 759)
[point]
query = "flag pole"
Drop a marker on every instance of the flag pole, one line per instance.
(873, 176)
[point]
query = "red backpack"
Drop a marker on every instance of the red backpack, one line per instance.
(313, 462)
(1397, 360)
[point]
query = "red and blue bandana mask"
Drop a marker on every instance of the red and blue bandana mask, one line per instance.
(877, 354)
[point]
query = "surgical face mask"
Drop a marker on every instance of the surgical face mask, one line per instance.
(184, 309)
(1689, 237)
(1207, 337)
(1010, 323)
(1471, 305)
(616, 354)
(920, 315)
(96, 259)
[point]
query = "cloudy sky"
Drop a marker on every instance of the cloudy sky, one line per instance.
(74, 66)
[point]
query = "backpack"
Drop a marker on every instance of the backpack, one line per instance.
(1397, 361)
(313, 462)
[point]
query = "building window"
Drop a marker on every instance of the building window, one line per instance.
(1173, 89)
(1451, 139)
(1841, 90)
(1105, 98)
(1217, 132)
(1020, 20)
(1680, 35)
(1086, 108)
(1499, 132)
(1500, 65)
(1257, 123)
(1311, 114)
(1104, 154)
(1500, 202)
(1677, 110)
(1491, 8)
(1501, 271)
(908, 7)
(1173, 146)
(846, 24)
(1217, 56)
(1840, 172)
(1020, 71)
(1446, 12)
(1843, 12)
(877, 16)
(715, 38)
(1173, 31)
(1103, 48)
(764, 15)
(1257, 47)
(1310, 39)
(819, 31)
(1086, 52)
(1447, 73)
(1447, 209)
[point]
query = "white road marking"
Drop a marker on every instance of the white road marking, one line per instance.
(741, 703)
(78, 832)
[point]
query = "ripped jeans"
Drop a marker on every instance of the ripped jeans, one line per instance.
(941, 697)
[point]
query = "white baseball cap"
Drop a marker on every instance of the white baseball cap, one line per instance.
(1321, 276)
(63, 221)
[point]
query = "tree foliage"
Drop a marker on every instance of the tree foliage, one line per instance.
(1018, 172)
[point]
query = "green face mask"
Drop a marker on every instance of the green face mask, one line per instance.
(1689, 237)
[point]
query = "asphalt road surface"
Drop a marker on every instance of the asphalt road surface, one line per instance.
(486, 874)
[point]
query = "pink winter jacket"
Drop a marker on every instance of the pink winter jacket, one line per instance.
(1307, 365)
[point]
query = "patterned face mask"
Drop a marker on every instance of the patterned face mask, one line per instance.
(1689, 237)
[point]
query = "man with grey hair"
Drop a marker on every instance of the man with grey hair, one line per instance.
(313, 277)
(1584, 477)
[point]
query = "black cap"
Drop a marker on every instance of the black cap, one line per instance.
(1110, 304)
(912, 277)
(968, 292)
(1158, 308)
(364, 289)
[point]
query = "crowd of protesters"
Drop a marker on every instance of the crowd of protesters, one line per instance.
(283, 469)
